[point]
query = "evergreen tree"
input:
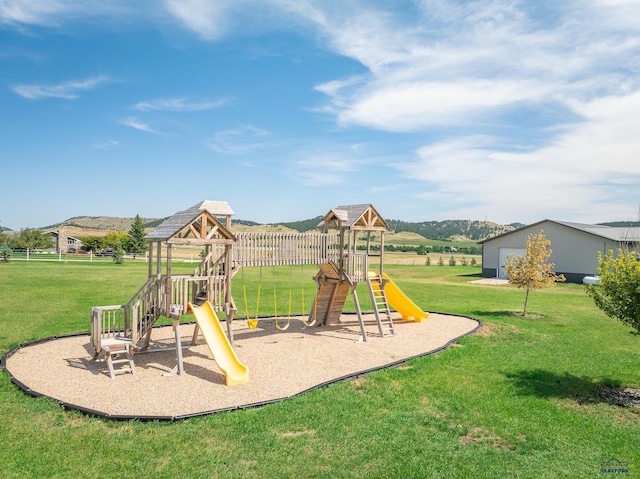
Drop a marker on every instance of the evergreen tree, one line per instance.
(5, 252)
(136, 243)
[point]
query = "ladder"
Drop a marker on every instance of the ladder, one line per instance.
(381, 306)
(114, 349)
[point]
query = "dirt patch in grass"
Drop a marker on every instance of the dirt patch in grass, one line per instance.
(482, 437)
(309, 432)
(624, 397)
(491, 330)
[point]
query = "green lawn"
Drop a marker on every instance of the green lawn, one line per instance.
(518, 399)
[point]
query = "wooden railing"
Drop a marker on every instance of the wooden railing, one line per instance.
(106, 322)
(276, 249)
(135, 318)
(358, 267)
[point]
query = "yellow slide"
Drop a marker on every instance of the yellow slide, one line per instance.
(219, 345)
(401, 303)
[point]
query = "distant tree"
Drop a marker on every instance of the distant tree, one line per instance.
(618, 292)
(3, 236)
(532, 271)
(428, 261)
(473, 262)
(93, 243)
(31, 238)
(464, 261)
(440, 261)
(115, 238)
(5, 252)
(136, 243)
(452, 261)
(421, 250)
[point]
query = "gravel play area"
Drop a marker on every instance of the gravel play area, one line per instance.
(281, 364)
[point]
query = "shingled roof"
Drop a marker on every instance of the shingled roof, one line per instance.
(355, 217)
(198, 223)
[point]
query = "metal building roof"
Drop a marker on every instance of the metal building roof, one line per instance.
(614, 233)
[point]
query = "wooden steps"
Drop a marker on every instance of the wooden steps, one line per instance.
(118, 352)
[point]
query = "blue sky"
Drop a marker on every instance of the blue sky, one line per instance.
(509, 111)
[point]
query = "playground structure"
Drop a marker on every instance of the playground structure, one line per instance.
(127, 328)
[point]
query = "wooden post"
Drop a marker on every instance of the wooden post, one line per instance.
(150, 265)
(169, 287)
(381, 252)
(159, 258)
(230, 312)
(176, 329)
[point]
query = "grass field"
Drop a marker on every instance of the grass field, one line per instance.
(518, 399)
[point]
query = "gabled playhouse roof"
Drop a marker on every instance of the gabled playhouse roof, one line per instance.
(198, 224)
(355, 217)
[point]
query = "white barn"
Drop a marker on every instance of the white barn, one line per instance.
(574, 245)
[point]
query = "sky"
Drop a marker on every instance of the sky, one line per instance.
(499, 110)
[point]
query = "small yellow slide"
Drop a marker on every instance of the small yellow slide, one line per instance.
(401, 302)
(219, 345)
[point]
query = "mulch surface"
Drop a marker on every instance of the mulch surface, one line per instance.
(281, 364)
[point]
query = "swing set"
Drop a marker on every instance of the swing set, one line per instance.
(252, 321)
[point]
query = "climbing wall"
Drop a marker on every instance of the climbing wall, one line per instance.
(332, 293)
(330, 302)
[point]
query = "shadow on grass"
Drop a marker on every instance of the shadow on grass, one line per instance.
(546, 384)
(471, 275)
(497, 313)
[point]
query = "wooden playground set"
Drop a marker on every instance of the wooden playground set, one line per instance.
(119, 332)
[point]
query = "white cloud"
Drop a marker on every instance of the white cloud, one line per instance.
(456, 59)
(178, 104)
(138, 125)
(208, 19)
(588, 172)
(323, 168)
(69, 90)
(237, 141)
(413, 106)
(54, 12)
(107, 145)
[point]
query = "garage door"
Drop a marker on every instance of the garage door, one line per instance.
(504, 252)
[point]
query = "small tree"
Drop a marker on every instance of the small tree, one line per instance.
(136, 243)
(532, 271)
(5, 252)
(440, 261)
(618, 292)
(118, 254)
(452, 261)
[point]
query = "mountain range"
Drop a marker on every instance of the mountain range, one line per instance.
(436, 230)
